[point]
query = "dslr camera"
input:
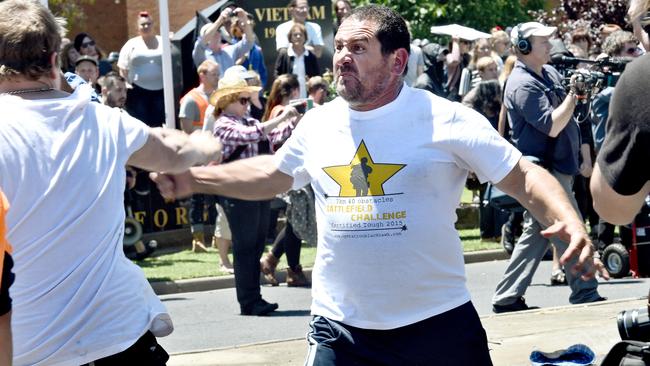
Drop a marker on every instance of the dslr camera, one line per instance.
(634, 324)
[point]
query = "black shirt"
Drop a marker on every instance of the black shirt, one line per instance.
(624, 156)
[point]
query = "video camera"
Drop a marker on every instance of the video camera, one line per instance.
(588, 81)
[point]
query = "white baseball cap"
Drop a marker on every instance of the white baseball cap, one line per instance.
(526, 30)
(240, 71)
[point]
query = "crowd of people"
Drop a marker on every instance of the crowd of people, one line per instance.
(75, 119)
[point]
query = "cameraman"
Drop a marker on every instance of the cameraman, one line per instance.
(621, 180)
(617, 44)
(540, 113)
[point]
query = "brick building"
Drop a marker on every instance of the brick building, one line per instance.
(113, 22)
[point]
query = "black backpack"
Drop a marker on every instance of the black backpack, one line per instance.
(628, 353)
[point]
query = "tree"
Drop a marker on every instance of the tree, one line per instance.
(587, 14)
(71, 10)
(479, 14)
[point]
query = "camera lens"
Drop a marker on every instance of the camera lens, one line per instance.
(634, 324)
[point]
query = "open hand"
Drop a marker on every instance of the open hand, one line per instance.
(579, 245)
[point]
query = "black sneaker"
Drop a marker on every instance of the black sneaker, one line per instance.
(259, 308)
(518, 305)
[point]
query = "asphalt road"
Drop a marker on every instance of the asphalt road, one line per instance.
(210, 320)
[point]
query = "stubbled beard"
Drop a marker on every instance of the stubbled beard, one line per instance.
(355, 92)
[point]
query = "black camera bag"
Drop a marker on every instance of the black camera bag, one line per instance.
(628, 353)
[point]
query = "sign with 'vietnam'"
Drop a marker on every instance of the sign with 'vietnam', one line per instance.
(269, 14)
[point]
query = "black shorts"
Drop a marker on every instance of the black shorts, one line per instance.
(7, 279)
(145, 351)
(455, 337)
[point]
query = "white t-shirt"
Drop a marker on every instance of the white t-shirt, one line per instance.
(76, 298)
(299, 70)
(392, 256)
(314, 34)
(144, 64)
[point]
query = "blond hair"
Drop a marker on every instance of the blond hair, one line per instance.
(499, 36)
(484, 62)
(29, 35)
(205, 65)
(508, 66)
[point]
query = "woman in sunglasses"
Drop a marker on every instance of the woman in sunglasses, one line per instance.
(243, 137)
(86, 45)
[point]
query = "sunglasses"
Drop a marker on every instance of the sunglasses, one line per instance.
(244, 101)
(88, 44)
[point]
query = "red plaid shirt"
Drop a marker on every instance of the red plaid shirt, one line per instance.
(234, 131)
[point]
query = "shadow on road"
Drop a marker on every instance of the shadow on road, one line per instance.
(279, 313)
(602, 283)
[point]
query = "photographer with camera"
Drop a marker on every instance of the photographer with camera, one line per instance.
(618, 44)
(541, 116)
(620, 182)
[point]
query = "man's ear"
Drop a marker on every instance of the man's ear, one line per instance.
(54, 61)
(400, 60)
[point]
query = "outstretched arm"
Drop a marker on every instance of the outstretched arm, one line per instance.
(543, 196)
(255, 178)
(173, 151)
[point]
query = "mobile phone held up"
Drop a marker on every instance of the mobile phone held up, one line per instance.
(302, 105)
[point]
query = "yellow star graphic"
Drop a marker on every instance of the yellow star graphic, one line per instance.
(362, 177)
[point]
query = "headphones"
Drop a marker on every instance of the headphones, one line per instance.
(523, 45)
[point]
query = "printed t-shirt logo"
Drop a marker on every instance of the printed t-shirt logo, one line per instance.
(362, 176)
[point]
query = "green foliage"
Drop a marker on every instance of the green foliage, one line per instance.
(478, 14)
(166, 266)
(586, 14)
(70, 10)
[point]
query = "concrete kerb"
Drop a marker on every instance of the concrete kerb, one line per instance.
(511, 337)
(228, 281)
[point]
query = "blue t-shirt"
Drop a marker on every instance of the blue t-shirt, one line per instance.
(530, 100)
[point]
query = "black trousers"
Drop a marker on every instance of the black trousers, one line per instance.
(490, 218)
(146, 105)
(288, 242)
(197, 209)
(248, 224)
(144, 352)
(453, 338)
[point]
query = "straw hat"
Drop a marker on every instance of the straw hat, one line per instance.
(231, 84)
